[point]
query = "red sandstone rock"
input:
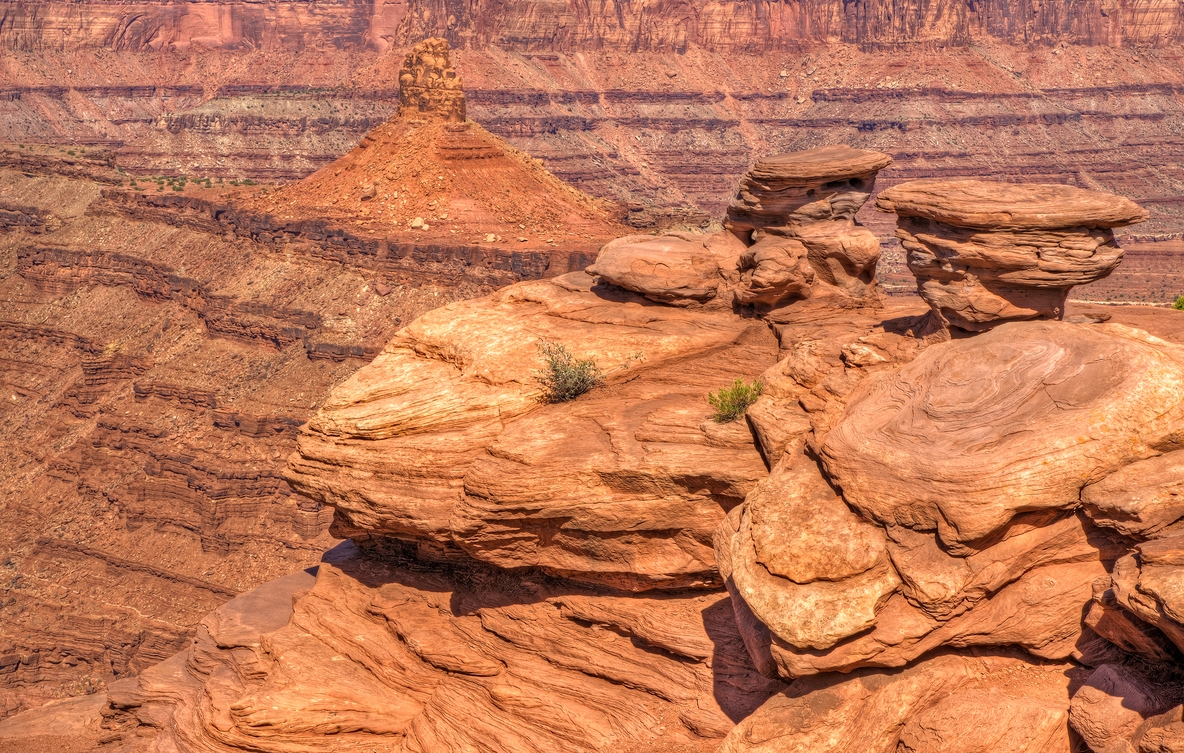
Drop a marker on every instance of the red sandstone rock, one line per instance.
(990, 252)
(428, 85)
(393, 655)
(427, 175)
(949, 703)
(1144, 499)
(944, 443)
(462, 456)
(799, 209)
(1150, 584)
(675, 268)
(1119, 709)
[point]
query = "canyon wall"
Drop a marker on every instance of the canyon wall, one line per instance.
(158, 354)
(531, 25)
(666, 134)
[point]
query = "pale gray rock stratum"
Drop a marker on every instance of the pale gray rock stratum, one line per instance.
(964, 544)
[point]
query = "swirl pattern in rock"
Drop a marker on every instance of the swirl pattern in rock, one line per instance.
(974, 432)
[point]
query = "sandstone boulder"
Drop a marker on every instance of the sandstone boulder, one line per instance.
(443, 439)
(675, 268)
(985, 253)
(948, 704)
(974, 432)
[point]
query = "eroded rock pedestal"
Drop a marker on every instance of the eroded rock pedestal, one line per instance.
(429, 86)
(988, 252)
(798, 212)
(791, 235)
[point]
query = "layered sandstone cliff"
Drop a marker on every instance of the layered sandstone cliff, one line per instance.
(656, 25)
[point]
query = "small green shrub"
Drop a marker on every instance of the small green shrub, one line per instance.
(1179, 304)
(730, 403)
(565, 377)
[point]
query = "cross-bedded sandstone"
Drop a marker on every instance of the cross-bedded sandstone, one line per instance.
(985, 253)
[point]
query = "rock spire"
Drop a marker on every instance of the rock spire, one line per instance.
(429, 86)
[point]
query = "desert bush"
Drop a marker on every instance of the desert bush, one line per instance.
(1179, 304)
(565, 377)
(731, 402)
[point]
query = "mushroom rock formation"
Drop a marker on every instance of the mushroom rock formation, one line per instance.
(797, 210)
(428, 84)
(791, 234)
(986, 252)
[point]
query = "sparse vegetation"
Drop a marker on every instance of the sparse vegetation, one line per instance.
(566, 377)
(1179, 304)
(732, 402)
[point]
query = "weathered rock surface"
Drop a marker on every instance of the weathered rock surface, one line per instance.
(951, 704)
(924, 510)
(1144, 499)
(798, 211)
(977, 431)
(460, 455)
(985, 253)
(791, 235)
(428, 84)
(391, 655)
(1150, 584)
(675, 268)
(1122, 710)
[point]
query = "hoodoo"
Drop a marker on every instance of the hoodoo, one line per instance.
(791, 234)
(986, 253)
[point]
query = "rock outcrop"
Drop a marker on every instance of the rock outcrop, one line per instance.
(428, 176)
(429, 86)
(985, 253)
(791, 234)
(159, 353)
(943, 522)
(797, 211)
